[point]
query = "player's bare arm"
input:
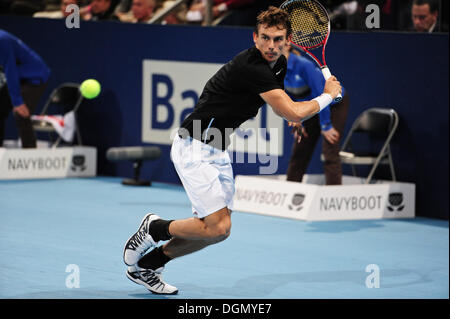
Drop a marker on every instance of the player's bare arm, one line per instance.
(292, 111)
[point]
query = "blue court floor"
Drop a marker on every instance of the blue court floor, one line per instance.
(55, 232)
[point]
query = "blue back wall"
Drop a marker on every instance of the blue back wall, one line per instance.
(408, 72)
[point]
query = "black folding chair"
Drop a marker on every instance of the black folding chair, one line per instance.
(379, 124)
(65, 98)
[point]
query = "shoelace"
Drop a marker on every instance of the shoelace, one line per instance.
(137, 241)
(151, 277)
(140, 237)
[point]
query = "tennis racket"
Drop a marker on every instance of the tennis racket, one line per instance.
(311, 29)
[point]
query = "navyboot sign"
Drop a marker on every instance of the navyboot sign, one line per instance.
(275, 197)
(48, 163)
(338, 203)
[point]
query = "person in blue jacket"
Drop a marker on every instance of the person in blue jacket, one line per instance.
(26, 76)
(303, 81)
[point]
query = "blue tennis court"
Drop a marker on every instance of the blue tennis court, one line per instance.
(48, 227)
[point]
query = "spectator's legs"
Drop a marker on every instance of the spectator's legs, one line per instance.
(332, 166)
(5, 109)
(31, 95)
(302, 152)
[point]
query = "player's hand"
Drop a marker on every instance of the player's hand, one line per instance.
(332, 136)
(332, 87)
(22, 110)
(298, 130)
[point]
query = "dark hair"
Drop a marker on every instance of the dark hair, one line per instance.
(274, 17)
(434, 5)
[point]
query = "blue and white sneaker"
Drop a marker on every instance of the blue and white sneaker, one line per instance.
(150, 279)
(140, 242)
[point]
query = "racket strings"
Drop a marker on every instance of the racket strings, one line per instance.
(309, 21)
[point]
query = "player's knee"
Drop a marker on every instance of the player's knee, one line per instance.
(221, 231)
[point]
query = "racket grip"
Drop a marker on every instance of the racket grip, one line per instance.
(327, 74)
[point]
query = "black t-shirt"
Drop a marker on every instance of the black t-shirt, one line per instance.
(231, 97)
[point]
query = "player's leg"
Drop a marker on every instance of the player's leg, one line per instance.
(195, 234)
(188, 235)
(211, 224)
(188, 239)
(302, 152)
(208, 181)
(212, 227)
(332, 166)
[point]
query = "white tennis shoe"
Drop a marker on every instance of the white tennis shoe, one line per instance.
(140, 242)
(150, 279)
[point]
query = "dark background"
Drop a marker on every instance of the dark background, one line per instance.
(405, 71)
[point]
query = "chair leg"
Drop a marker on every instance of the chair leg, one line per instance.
(391, 165)
(354, 170)
(78, 132)
(51, 139)
(79, 137)
(57, 142)
(372, 172)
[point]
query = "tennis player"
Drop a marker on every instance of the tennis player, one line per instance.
(232, 96)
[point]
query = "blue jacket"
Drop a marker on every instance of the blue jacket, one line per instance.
(303, 73)
(20, 63)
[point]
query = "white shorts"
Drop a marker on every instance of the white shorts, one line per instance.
(206, 174)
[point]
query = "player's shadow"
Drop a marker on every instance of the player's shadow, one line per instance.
(261, 286)
(428, 221)
(342, 226)
(86, 293)
(186, 206)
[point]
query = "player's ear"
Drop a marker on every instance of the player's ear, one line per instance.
(255, 36)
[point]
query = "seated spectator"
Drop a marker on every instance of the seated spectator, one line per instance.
(143, 10)
(424, 15)
(123, 11)
(178, 16)
(197, 10)
(348, 15)
(99, 10)
(26, 7)
(123, 6)
(58, 14)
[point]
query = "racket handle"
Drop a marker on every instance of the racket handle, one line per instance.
(327, 74)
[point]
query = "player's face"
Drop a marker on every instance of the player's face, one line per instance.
(270, 41)
(422, 18)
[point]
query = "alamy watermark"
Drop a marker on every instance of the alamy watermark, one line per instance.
(73, 279)
(373, 19)
(204, 147)
(73, 19)
(373, 279)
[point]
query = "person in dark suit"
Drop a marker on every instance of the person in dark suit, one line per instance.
(424, 15)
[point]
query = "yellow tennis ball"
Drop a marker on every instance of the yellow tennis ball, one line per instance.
(90, 88)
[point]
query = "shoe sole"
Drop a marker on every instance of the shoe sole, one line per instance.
(137, 281)
(126, 244)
